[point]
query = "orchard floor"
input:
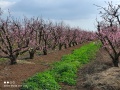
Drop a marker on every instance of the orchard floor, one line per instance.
(99, 74)
(100, 63)
(15, 74)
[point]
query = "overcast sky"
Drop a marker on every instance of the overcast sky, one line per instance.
(80, 13)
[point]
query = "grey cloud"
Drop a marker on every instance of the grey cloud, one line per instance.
(75, 12)
(56, 9)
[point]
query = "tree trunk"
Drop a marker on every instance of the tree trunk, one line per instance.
(115, 62)
(60, 46)
(31, 53)
(65, 46)
(13, 60)
(69, 44)
(73, 43)
(44, 51)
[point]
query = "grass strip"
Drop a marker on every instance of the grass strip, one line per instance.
(64, 71)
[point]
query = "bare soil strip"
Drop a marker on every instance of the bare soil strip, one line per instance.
(15, 74)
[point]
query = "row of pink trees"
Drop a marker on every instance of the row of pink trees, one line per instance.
(13, 39)
(19, 36)
(109, 31)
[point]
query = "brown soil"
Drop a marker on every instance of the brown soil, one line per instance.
(15, 74)
(97, 68)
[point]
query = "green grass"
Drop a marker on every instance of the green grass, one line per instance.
(41, 81)
(2, 60)
(64, 71)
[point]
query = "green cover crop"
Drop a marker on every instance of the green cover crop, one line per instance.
(64, 71)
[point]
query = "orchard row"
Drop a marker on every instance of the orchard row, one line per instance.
(109, 30)
(28, 35)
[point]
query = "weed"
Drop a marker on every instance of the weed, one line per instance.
(64, 71)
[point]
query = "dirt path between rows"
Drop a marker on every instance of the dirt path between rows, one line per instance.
(14, 74)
